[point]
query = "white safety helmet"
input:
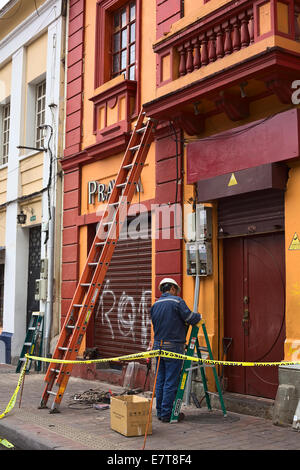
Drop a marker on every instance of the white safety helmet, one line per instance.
(168, 280)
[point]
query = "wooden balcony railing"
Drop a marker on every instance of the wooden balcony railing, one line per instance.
(231, 28)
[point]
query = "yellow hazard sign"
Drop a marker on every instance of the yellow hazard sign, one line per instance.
(232, 180)
(295, 243)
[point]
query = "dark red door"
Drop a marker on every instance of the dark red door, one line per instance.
(254, 307)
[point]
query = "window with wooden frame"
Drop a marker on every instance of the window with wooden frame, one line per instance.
(117, 40)
(123, 41)
(40, 109)
(5, 126)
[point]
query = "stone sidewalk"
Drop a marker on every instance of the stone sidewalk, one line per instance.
(82, 427)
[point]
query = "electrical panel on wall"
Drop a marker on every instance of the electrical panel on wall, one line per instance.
(199, 248)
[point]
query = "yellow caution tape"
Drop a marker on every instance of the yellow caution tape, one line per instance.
(142, 355)
(129, 357)
(13, 399)
(6, 443)
(162, 353)
(227, 363)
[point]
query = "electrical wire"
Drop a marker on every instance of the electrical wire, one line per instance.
(11, 16)
(36, 9)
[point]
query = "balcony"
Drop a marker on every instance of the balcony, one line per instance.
(243, 51)
(224, 32)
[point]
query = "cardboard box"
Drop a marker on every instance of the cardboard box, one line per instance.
(129, 415)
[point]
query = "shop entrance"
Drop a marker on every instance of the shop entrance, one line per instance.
(122, 323)
(254, 288)
(254, 305)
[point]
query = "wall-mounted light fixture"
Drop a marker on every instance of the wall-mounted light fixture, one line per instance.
(21, 218)
(242, 88)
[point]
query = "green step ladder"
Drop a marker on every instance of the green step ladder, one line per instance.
(193, 346)
(33, 341)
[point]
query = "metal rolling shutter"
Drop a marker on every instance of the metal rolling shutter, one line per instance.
(122, 316)
(251, 213)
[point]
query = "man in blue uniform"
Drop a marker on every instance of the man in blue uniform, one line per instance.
(169, 315)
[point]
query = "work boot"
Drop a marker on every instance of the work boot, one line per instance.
(167, 420)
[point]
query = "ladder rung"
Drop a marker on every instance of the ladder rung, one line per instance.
(115, 203)
(128, 167)
(63, 348)
(141, 130)
(93, 264)
(78, 305)
(57, 371)
(108, 223)
(135, 147)
(51, 393)
(27, 344)
(100, 243)
(121, 185)
(31, 328)
(203, 348)
(85, 284)
(70, 326)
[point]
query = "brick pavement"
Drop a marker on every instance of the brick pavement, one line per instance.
(89, 429)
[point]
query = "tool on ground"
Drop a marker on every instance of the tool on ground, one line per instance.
(33, 341)
(91, 280)
(147, 373)
(194, 343)
(152, 398)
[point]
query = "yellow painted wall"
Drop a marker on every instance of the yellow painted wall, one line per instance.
(36, 63)
(292, 227)
(16, 15)
(33, 209)
(89, 64)
(2, 227)
(5, 81)
(3, 185)
(31, 170)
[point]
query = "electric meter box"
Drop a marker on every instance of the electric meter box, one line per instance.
(199, 258)
(44, 268)
(199, 224)
(40, 289)
(203, 222)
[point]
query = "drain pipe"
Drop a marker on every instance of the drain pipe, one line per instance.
(49, 301)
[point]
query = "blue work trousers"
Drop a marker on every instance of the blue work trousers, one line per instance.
(167, 379)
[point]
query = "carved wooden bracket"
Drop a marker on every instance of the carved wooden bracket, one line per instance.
(282, 88)
(191, 123)
(234, 106)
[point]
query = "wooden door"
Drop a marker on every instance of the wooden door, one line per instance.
(254, 311)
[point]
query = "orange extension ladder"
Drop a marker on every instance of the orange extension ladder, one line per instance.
(91, 280)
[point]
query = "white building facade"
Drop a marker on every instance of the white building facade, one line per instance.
(32, 76)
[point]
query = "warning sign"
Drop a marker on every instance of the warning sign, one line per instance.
(232, 180)
(295, 243)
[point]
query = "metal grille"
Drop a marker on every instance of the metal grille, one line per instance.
(122, 317)
(34, 268)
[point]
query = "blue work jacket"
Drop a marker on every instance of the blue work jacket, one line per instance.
(169, 314)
